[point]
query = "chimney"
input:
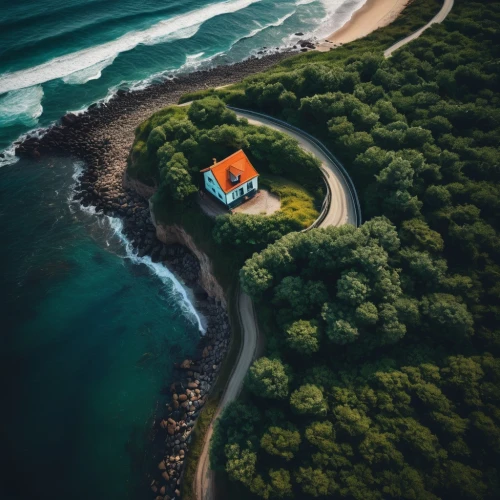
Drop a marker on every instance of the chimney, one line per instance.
(214, 160)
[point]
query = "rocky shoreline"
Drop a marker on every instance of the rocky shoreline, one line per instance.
(102, 138)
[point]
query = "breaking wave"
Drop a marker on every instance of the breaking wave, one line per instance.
(163, 31)
(22, 106)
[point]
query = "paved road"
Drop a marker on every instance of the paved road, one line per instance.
(341, 211)
(204, 480)
(438, 18)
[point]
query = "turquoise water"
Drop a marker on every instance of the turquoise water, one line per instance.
(62, 55)
(88, 341)
(89, 332)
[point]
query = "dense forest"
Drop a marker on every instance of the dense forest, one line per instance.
(382, 377)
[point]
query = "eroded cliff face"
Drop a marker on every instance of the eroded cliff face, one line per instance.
(177, 234)
(140, 188)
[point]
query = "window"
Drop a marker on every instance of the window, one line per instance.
(218, 194)
(235, 195)
(213, 189)
(240, 192)
(210, 180)
(250, 185)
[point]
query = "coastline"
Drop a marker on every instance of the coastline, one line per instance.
(102, 138)
(372, 15)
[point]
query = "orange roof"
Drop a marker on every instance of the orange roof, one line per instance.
(237, 164)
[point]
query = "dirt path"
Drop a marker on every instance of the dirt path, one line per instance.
(438, 18)
(341, 211)
(204, 480)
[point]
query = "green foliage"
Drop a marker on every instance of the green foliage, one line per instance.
(210, 112)
(308, 400)
(267, 378)
(389, 332)
(303, 336)
(281, 442)
(254, 232)
(333, 254)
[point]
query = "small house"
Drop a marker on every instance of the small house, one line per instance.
(231, 180)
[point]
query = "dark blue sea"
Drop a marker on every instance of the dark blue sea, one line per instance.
(89, 332)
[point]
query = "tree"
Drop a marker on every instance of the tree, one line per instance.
(366, 314)
(462, 481)
(304, 297)
(267, 378)
(156, 139)
(209, 112)
(351, 420)
(303, 336)
(322, 435)
(281, 442)
(352, 287)
(178, 181)
(339, 329)
(379, 448)
(240, 464)
(315, 482)
(281, 486)
(397, 175)
(447, 315)
(308, 400)
(238, 424)
(417, 232)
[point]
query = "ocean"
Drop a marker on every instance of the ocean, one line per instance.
(89, 331)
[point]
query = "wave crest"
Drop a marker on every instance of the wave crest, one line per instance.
(181, 26)
(22, 106)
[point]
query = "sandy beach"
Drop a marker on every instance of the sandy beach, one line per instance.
(372, 15)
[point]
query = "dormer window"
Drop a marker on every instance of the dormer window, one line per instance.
(234, 174)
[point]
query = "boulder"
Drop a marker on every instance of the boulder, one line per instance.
(69, 119)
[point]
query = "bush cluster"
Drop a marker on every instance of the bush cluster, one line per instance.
(176, 143)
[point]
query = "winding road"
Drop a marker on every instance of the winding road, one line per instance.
(343, 208)
(438, 18)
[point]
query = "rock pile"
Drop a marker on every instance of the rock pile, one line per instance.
(188, 398)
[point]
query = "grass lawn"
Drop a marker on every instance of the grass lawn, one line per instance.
(296, 201)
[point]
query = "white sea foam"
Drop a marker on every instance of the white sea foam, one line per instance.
(338, 13)
(9, 155)
(22, 106)
(85, 75)
(169, 29)
(279, 22)
(193, 57)
(178, 291)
